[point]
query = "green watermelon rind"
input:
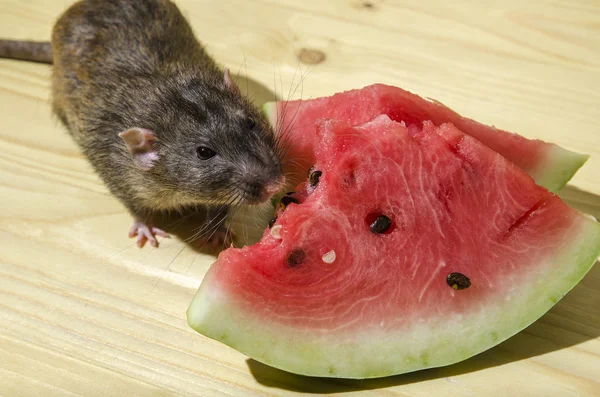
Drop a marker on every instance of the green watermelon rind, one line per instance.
(269, 109)
(213, 314)
(564, 165)
(554, 173)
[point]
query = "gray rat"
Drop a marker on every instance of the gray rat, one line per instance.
(161, 124)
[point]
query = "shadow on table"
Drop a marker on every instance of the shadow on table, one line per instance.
(567, 324)
(581, 200)
(255, 91)
(193, 226)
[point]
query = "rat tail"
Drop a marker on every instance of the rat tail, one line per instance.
(32, 51)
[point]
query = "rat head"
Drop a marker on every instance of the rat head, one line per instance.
(209, 145)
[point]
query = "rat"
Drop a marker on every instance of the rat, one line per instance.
(161, 124)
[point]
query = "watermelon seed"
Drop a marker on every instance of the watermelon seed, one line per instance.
(381, 224)
(310, 170)
(288, 199)
(272, 222)
(329, 257)
(296, 257)
(276, 232)
(314, 177)
(458, 281)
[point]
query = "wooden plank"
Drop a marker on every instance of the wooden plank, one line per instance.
(83, 312)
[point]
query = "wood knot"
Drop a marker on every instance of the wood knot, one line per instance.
(368, 5)
(310, 56)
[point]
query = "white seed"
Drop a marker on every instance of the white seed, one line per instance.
(402, 123)
(329, 257)
(276, 232)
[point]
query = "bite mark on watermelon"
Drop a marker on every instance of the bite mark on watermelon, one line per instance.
(550, 165)
(396, 302)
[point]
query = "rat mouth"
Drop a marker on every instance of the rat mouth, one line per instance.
(258, 193)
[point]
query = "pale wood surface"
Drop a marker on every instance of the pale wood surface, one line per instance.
(83, 312)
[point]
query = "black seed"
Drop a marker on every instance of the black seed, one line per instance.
(272, 222)
(287, 200)
(290, 193)
(296, 257)
(458, 281)
(313, 179)
(381, 224)
(310, 170)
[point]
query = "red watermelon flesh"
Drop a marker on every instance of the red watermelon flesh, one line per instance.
(550, 165)
(396, 301)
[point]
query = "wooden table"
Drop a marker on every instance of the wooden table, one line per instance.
(84, 312)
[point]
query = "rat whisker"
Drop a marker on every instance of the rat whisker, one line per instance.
(128, 246)
(177, 222)
(210, 226)
(280, 79)
(246, 70)
(208, 223)
(244, 64)
(274, 81)
(229, 226)
(191, 264)
(167, 269)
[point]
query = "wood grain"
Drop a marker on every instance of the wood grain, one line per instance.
(85, 313)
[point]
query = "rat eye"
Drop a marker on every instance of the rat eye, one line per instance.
(204, 153)
(250, 122)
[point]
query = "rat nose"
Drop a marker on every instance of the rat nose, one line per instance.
(272, 188)
(259, 191)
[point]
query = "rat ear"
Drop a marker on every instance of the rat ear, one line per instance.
(140, 143)
(229, 83)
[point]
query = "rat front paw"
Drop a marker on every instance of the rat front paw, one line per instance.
(145, 232)
(220, 239)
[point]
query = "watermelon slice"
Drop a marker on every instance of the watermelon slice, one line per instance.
(408, 248)
(550, 165)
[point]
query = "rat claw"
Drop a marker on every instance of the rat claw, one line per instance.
(133, 231)
(141, 240)
(159, 232)
(146, 233)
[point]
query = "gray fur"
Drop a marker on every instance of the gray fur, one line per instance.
(121, 64)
